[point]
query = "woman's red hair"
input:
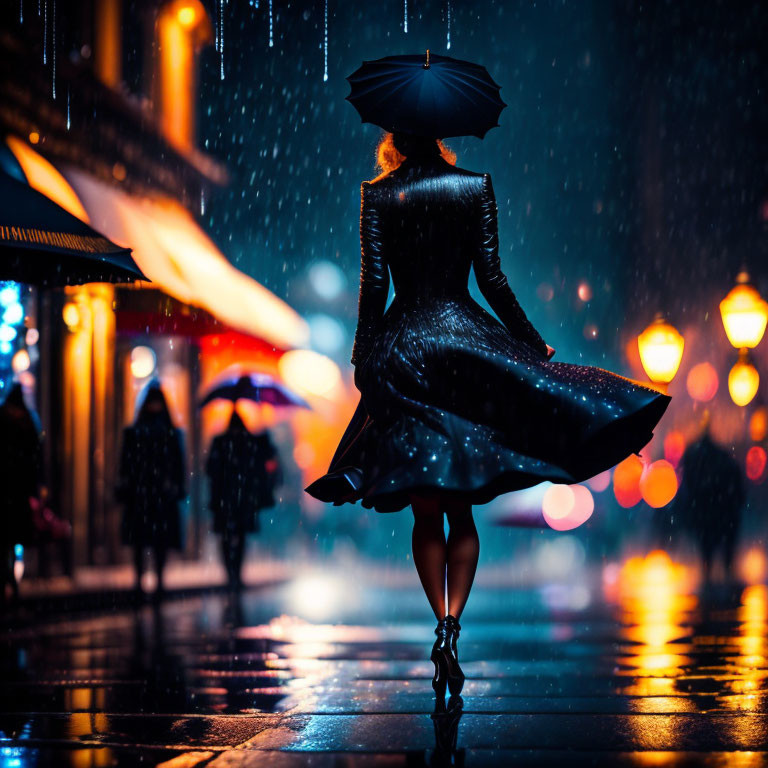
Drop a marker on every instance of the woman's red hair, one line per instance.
(388, 158)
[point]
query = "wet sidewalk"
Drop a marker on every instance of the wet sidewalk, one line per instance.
(331, 669)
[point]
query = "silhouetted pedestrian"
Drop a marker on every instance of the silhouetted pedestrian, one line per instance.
(152, 483)
(20, 461)
(243, 470)
(710, 501)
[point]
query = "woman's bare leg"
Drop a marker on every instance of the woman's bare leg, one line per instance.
(429, 550)
(463, 550)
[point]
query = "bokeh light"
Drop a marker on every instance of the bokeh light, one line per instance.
(755, 463)
(21, 361)
(585, 292)
(309, 372)
(327, 279)
(600, 482)
(702, 382)
(566, 507)
(658, 484)
(674, 447)
(758, 424)
(626, 481)
(143, 362)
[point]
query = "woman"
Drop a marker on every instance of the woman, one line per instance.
(457, 407)
(152, 483)
(243, 470)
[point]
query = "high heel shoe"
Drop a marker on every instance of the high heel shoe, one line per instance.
(445, 658)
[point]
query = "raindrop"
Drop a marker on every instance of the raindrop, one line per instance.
(202, 202)
(221, 37)
(21, 11)
(405, 16)
(448, 25)
(325, 45)
(53, 48)
(271, 39)
(45, 31)
(69, 122)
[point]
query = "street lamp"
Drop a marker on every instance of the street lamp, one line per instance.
(743, 380)
(661, 350)
(744, 314)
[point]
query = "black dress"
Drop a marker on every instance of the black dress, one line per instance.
(453, 400)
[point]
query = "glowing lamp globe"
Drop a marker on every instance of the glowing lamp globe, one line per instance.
(661, 350)
(743, 381)
(658, 484)
(626, 481)
(744, 314)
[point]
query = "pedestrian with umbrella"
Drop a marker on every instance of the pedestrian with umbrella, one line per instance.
(457, 406)
(243, 468)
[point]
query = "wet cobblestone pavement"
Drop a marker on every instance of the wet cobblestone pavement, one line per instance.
(329, 670)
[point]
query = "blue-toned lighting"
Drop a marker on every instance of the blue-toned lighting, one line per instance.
(5, 348)
(9, 294)
(7, 333)
(18, 551)
(14, 313)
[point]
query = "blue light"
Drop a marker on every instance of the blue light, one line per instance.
(14, 313)
(18, 551)
(5, 348)
(9, 294)
(7, 333)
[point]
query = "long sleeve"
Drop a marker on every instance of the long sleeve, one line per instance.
(374, 276)
(492, 281)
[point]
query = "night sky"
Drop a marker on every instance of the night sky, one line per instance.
(630, 156)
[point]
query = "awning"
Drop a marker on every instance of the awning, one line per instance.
(170, 248)
(180, 258)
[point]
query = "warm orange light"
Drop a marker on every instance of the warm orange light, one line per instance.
(585, 292)
(743, 380)
(744, 314)
(626, 481)
(71, 315)
(20, 361)
(752, 566)
(755, 463)
(758, 424)
(309, 372)
(661, 350)
(674, 447)
(34, 137)
(702, 382)
(143, 362)
(43, 177)
(187, 16)
(658, 484)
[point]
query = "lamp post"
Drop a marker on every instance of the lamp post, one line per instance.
(661, 350)
(744, 314)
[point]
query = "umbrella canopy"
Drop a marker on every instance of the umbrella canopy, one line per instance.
(42, 244)
(259, 387)
(426, 95)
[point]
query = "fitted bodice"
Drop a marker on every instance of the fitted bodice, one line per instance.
(427, 223)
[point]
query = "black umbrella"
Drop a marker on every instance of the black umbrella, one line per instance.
(426, 95)
(42, 244)
(259, 387)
